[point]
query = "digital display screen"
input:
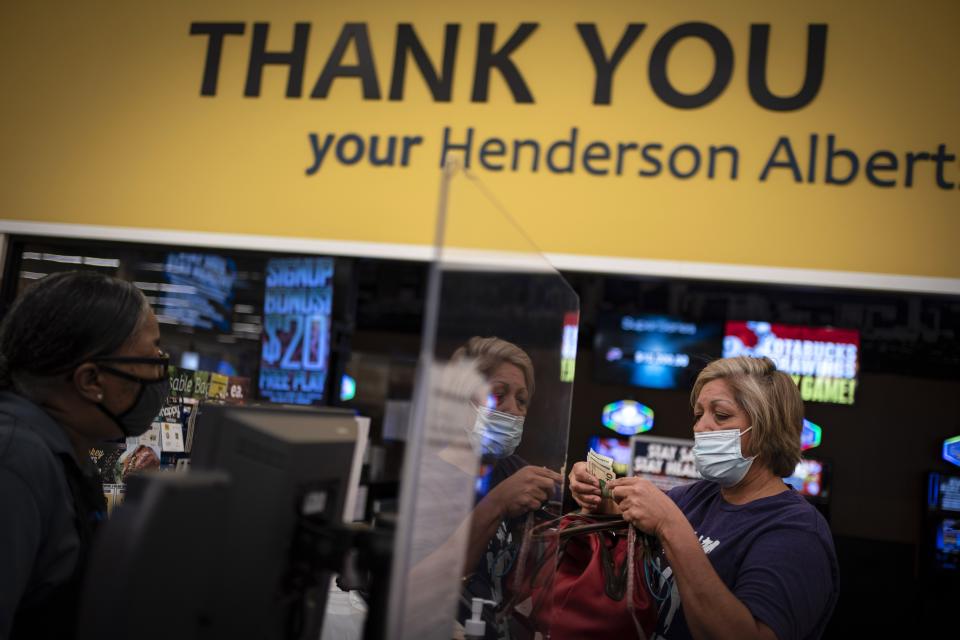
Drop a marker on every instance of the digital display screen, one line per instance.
(612, 447)
(666, 462)
(652, 351)
(627, 417)
(943, 492)
(947, 544)
(198, 291)
(951, 450)
(810, 436)
(809, 479)
(298, 299)
(822, 361)
(568, 348)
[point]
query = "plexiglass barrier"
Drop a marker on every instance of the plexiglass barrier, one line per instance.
(486, 457)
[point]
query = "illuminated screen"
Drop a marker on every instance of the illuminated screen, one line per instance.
(657, 352)
(627, 417)
(822, 361)
(568, 348)
(947, 545)
(944, 492)
(198, 291)
(666, 462)
(612, 447)
(298, 298)
(809, 479)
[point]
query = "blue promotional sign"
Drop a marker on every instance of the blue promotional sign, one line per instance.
(628, 417)
(810, 436)
(198, 291)
(951, 450)
(296, 329)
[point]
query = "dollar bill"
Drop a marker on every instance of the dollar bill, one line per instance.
(601, 467)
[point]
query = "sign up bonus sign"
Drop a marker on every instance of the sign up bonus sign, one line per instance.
(296, 329)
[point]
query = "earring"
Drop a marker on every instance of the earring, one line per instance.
(99, 396)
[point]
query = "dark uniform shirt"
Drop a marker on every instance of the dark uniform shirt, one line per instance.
(43, 540)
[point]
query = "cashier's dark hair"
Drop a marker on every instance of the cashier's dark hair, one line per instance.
(63, 320)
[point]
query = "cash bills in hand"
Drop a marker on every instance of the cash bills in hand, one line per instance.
(601, 468)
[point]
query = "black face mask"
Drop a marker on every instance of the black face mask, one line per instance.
(136, 420)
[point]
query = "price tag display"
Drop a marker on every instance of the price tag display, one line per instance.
(218, 388)
(238, 390)
(171, 437)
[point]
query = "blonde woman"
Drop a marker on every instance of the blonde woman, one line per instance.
(744, 555)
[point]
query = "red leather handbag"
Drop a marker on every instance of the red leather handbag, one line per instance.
(598, 588)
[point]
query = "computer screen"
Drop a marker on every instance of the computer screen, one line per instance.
(653, 351)
(947, 544)
(284, 462)
(199, 290)
(941, 538)
(221, 549)
(943, 492)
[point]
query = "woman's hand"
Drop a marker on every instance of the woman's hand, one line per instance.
(584, 487)
(526, 490)
(644, 505)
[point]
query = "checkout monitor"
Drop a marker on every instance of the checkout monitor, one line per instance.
(208, 554)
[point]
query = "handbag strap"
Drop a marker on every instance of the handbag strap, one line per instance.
(614, 579)
(631, 583)
(613, 525)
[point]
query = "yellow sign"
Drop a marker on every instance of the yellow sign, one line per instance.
(815, 135)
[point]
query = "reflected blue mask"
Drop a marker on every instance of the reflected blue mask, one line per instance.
(495, 433)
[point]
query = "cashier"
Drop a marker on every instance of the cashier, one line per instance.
(80, 363)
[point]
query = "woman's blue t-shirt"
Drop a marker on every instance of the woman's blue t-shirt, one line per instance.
(775, 554)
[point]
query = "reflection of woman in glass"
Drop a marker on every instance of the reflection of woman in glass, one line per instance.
(508, 488)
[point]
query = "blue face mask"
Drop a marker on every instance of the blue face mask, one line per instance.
(717, 456)
(495, 433)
